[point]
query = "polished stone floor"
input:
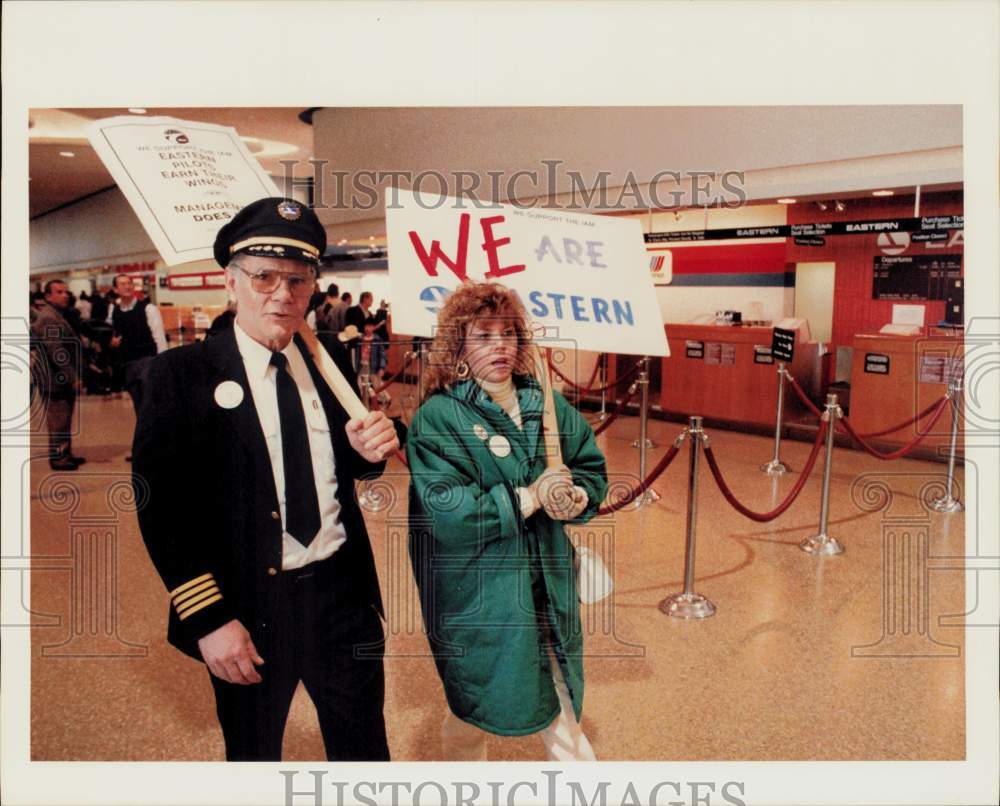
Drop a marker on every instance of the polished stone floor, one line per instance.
(858, 656)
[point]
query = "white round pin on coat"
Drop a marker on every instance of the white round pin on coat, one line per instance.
(499, 445)
(229, 394)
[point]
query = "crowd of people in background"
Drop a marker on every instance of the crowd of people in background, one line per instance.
(101, 343)
(340, 325)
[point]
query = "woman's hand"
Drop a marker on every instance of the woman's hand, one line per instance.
(561, 499)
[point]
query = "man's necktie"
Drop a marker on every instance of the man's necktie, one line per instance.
(301, 502)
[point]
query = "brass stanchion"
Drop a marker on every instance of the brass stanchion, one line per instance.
(776, 467)
(650, 495)
(643, 441)
(688, 604)
(948, 503)
(822, 543)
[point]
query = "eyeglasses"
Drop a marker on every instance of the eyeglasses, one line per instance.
(267, 282)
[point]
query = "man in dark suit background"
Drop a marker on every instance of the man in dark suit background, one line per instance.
(247, 465)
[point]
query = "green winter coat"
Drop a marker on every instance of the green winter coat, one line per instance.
(497, 590)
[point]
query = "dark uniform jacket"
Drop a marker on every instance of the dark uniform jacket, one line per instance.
(208, 508)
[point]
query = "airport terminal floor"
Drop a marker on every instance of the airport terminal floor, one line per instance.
(857, 656)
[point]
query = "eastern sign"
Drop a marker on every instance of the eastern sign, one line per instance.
(942, 223)
(584, 278)
(183, 179)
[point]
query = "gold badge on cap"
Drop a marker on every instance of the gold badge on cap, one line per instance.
(228, 394)
(479, 431)
(499, 445)
(289, 211)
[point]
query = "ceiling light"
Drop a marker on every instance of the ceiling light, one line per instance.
(787, 201)
(137, 110)
(66, 154)
(882, 192)
(840, 206)
(821, 206)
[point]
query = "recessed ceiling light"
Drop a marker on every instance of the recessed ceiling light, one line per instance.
(882, 192)
(786, 201)
(66, 154)
(137, 110)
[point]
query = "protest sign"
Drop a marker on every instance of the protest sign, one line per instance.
(183, 179)
(584, 278)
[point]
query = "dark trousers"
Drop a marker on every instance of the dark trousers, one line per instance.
(59, 417)
(335, 647)
(136, 373)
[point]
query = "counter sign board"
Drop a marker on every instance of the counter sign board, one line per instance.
(782, 344)
(183, 179)
(584, 278)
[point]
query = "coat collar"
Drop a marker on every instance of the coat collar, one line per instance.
(529, 397)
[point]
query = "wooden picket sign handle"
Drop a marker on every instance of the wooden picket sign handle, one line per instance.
(550, 426)
(331, 373)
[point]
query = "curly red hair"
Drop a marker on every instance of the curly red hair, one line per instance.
(467, 303)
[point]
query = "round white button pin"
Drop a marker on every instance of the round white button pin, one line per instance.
(229, 394)
(499, 445)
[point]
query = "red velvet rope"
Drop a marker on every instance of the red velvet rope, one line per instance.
(644, 485)
(911, 421)
(802, 396)
(812, 407)
(909, 446)
(615, 414)
(762, 517)
(623, 379)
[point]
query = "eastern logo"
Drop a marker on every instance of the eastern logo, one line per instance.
(176, 136)
(434, 296)
(893, 243)
(290, 211)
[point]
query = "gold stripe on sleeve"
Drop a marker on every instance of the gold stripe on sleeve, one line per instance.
(198, 607)
(183, 608)
(189, 584)
(190, 593)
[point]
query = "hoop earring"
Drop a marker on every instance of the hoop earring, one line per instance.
(462, 370)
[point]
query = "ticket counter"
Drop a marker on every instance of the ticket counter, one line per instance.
(895, 377)
(728, 373)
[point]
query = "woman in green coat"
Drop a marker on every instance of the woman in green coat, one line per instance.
(493, 563)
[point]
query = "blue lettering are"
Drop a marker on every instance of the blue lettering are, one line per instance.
(573, 251)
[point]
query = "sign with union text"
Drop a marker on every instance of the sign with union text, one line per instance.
(584, 278)
(183, 179)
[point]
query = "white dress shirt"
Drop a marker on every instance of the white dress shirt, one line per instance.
(153, 319)
(263, 386)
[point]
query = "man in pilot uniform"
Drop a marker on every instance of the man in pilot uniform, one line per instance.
(244, 467)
